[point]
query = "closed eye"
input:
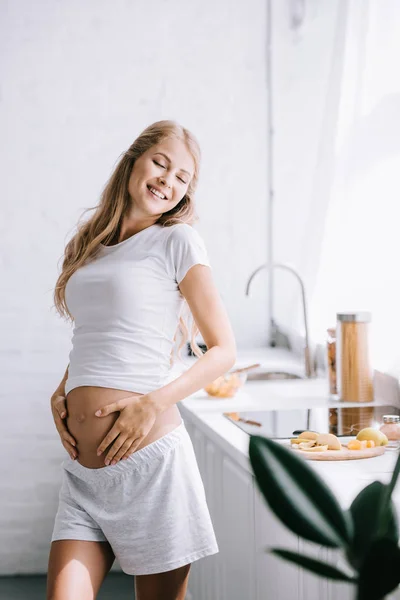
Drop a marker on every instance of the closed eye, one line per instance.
(162, 166)
(158, 164)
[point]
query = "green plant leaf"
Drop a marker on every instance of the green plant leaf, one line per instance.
(313, 565)
(366, 512)
(297, 495)
(380, 571)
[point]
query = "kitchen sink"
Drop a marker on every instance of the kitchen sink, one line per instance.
(271, 376)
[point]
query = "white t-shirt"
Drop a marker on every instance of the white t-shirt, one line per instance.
(126, 306)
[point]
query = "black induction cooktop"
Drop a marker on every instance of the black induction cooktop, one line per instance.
(281, 424)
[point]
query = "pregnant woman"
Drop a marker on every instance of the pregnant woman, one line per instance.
(131, 487)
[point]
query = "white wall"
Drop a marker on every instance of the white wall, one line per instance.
(306, 69)
(79, 83)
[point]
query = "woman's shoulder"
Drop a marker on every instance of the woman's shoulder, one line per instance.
(183, 232)
(185, 248)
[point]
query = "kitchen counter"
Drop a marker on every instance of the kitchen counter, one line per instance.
(347, 478)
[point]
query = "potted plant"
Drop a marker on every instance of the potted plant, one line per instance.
(367, 532)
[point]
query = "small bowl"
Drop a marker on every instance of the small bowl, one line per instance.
(227, 385)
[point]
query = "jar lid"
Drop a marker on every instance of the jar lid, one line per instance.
(359, 317)
(391, 419)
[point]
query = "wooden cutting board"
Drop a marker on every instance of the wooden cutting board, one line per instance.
(343, 454)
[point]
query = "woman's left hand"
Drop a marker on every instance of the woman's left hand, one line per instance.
(138, 414)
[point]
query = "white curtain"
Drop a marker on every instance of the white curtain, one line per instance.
(359, 265)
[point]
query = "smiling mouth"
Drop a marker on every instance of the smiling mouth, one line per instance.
(155, 195)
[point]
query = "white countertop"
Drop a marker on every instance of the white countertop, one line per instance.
(347, 478)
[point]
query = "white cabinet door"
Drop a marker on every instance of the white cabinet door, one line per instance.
(238, 531)
(205, 582)
(276, 579)
(231, 574)
(312, 586)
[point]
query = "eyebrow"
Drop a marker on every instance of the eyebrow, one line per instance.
(169, 160)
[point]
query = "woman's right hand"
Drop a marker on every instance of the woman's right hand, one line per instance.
(59, 410)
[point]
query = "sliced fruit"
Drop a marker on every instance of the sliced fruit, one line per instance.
(300, 440)
(354, 445)
(369, 433)
(305, 445)
(357, 445)
(360, 444)
(329, 439)
(309, 435)
(315, 449)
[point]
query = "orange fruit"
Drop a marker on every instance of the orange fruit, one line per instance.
(360, 444)
(354, 445)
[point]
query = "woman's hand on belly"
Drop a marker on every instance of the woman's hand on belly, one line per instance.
(136, 419)
(87, 429)
(59, 412)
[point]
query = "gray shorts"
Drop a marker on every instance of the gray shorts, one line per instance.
(151, 508)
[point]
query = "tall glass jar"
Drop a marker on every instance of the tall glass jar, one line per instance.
(354, 370)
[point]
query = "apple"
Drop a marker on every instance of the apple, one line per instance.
(369, 433)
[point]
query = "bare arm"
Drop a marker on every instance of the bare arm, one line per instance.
(212, 320)
(59, 411)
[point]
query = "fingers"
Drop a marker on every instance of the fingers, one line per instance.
(132, 448)
(122, 450)
(62, 429)
(59, 411)
(70, 449)
(117, 406)
(58, 403)
(110, 437)
(67, 437)
(110, 408)
(115, 449)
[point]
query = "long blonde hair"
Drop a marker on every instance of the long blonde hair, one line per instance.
(104, 225)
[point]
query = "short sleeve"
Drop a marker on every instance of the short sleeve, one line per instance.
(185, 248)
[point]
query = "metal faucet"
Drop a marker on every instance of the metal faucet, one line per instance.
(309, 370)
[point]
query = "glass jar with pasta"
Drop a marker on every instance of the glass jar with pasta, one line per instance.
(354, 371)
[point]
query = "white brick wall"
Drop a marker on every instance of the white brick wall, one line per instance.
(79, 82)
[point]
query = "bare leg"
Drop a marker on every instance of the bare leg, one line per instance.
(77, 569)
(170, 585)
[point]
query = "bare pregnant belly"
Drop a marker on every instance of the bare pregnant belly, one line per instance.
(89, 430)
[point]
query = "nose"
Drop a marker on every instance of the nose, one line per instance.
(165, 180)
